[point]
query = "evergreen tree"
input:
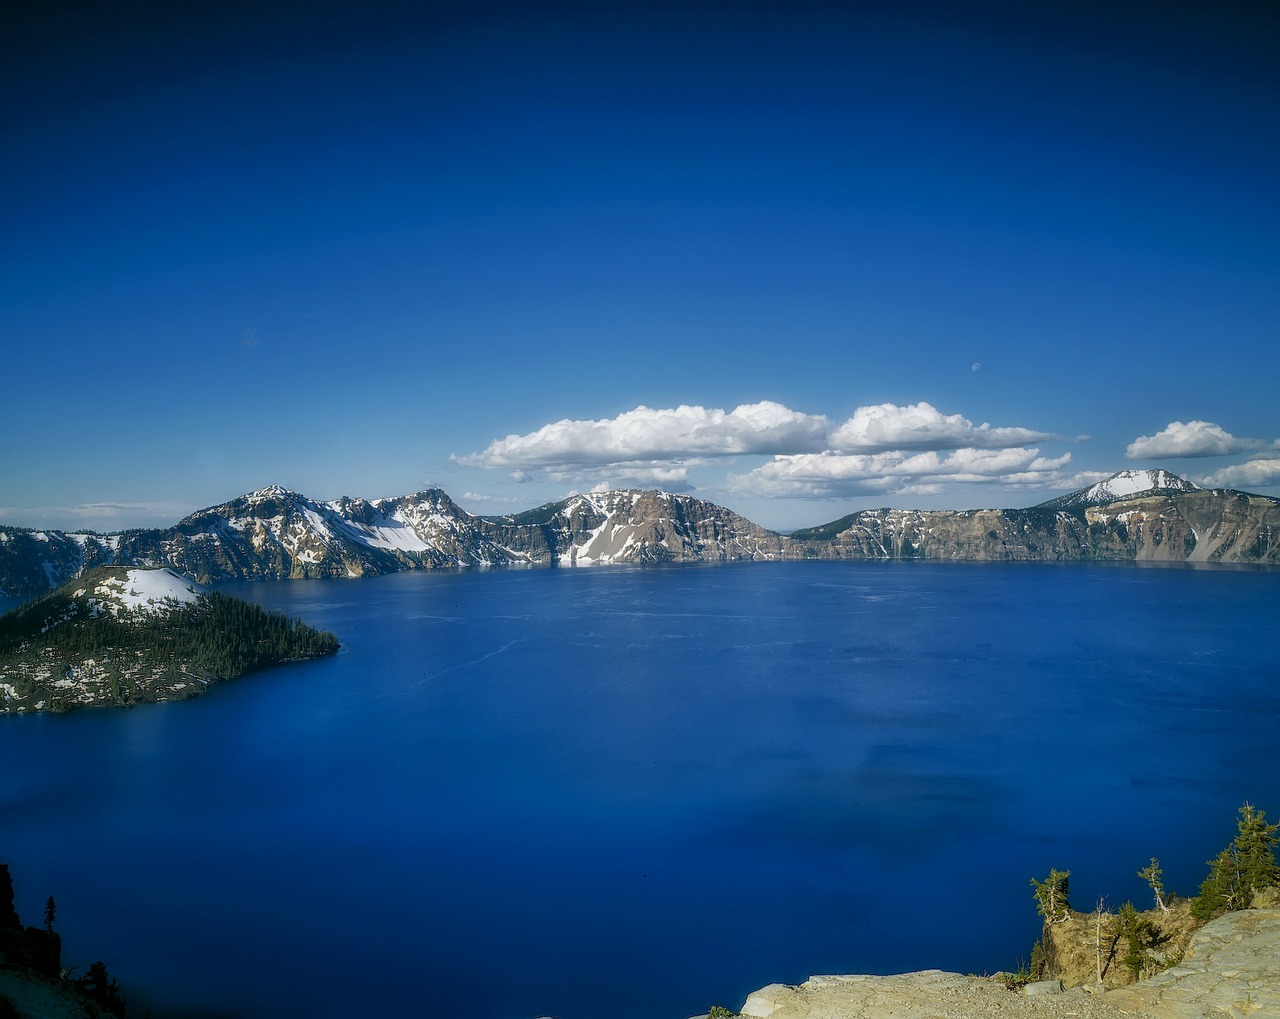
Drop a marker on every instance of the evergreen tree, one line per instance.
(1220, 890)
(1152, 875)
(1242, 869)
(1051, 895)
(1255, 854)
(1139, 935)
(50, 912)
(103, 989)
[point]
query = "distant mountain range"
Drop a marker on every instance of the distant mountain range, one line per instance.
(275, 533)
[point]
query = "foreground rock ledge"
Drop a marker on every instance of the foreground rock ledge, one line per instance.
(1231, 969)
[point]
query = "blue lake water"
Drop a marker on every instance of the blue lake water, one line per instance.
(636, 793)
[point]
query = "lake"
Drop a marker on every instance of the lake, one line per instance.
(639, 792)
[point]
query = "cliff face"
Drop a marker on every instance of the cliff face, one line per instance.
(635, 527)
(1203, 526)
(1199, 526)
(25, 948)
(32, 984)
(276, 534)
(1084, 948)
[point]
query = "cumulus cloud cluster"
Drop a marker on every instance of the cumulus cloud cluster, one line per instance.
(1205, 438)
(887, 427)
(882, 448)
(648, 434)
(826, 474)
(1253, 474)
(1192, 438)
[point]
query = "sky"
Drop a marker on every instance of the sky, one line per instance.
(797, 259)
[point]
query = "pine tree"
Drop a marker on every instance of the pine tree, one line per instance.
(1220, 890)
(1051, 895)
(1139, 938)
(1254, 853)
(1152, 875)
(1242, 869)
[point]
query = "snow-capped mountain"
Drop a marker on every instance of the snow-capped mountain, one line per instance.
(275, 533)
(1128, 484)
(632, 526)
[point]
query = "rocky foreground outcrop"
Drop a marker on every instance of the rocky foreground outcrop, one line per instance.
(1230, 971)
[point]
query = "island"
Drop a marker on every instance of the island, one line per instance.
(132, 635)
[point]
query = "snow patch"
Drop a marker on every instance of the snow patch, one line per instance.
(150, 591)
(1126, 484)
(393, 532)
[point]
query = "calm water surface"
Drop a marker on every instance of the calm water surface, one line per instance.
(636, 793)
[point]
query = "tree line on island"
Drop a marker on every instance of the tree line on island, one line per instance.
(217, 635)
(69, 648)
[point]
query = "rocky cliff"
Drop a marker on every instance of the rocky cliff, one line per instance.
(32, 982)
(634, 527)
(275, 533)
(1197, 526)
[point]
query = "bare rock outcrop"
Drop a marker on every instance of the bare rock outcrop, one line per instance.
(929, 994)
(1230, 971)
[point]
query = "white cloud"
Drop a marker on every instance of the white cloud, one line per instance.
(831, 474)
(508, 500)
(1194, 438)
(645, 434)
(675, 435)
(883, 449)
(669, 479)
(887, 426)
(1254, 474)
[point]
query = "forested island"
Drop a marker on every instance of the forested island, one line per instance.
(118, 636)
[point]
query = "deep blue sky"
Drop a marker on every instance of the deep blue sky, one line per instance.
(352, 250)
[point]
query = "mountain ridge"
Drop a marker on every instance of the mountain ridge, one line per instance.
(276, 533)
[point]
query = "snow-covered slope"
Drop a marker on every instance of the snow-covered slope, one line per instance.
(1122, 485)
(274, 532)
(151, 591)
(36, 561)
